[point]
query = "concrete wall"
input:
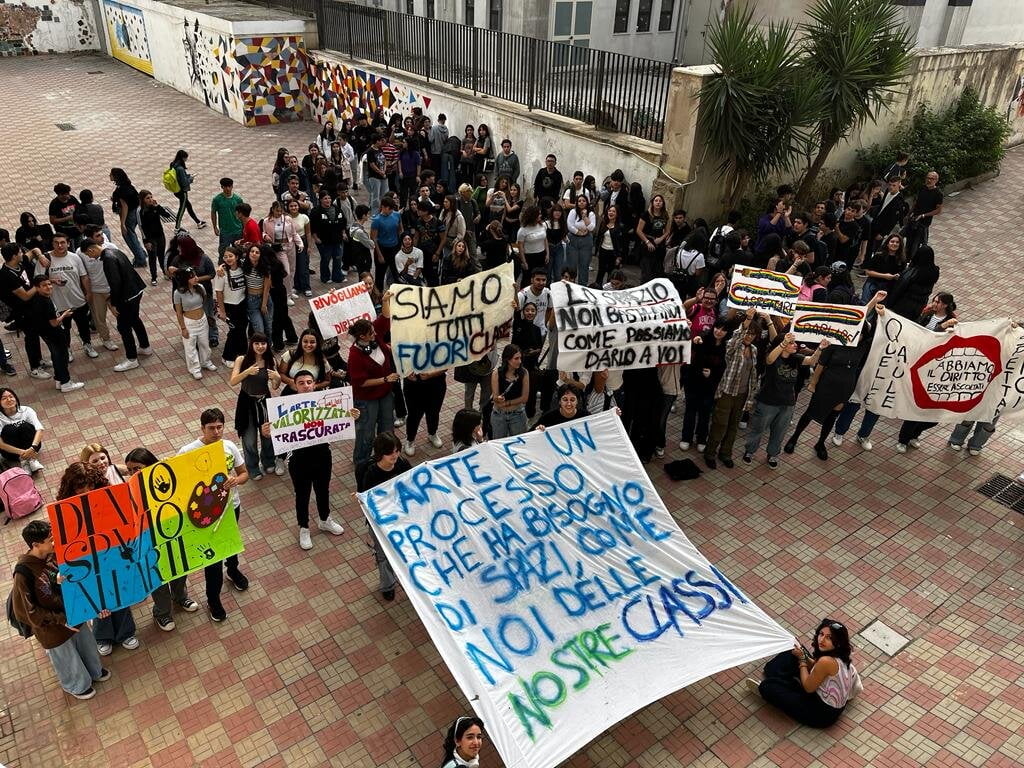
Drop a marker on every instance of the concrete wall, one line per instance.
(994, 21)
(938, 77)
(246, 62)
(338, 87)
(47, 26)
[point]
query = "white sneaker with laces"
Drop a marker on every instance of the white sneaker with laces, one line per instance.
(39, 373)
(684, 446)
(901, 448)
(90, 350)
(399, 422)
(956, 446)
(105, 649)
(126, 365)
(291, 302)
(435, 441)
(111, 345)
(865, 443)
(131, 643)
(279, 467)
(659, 452)
(974, 451)
(34, 465)
(70, 386)
(837, 439)
(71, 356)
(914, 443)
(210, 365)
(701, 447)
(197, 375)
(409, 448)
(331, 526)
(305, 540)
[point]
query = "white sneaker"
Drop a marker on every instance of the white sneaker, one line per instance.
(291, 302)
(865, 443)
(279, 467)
(111, 345)
(126, 365)
(974, 451)
(754, 686)
(684, 446)
(901, 448)
(71, 356)
(956, 446)
(146, 351)
(435, 441)
(131, 643)
(305, 541)
(914, 443)
(229, 364)
(90, 350)
(292, 294)
(410, 449)
(331, 526)
(39, 373)
(837, 439)
(46, 365)
(399, 422)
(105, 649)
(71, 386)
(34, 466)
(197, 375)
(210, 365)
(701, 447)
(309, 294)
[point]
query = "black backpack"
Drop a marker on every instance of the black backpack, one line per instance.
(22, 629)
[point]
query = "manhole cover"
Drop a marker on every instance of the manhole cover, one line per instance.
(66, 126)
(1004, 490)
(884, 638)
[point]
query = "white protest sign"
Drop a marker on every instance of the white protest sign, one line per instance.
(974, 372)
(437, 328)
(766, 291)
(301, 420)
(841, 324)
(633, 328)
(336, 310)
(557, 587)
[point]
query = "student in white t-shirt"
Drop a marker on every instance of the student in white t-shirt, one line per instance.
(539, 294)
(72, 290)
(229, 290)
(409, 262)
(212, 429)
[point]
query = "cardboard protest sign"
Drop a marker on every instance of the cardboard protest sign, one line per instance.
(766, 291)
(336, 310)
(841, 324)
(117, 544)
(973, 372)
(632, 328)
(301, 420)
(437, 328)
(557, 587)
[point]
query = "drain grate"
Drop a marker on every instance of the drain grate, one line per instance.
(1004, 490)
(66, 126)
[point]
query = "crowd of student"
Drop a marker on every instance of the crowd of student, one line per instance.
(438, 208)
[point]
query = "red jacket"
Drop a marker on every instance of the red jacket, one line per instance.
(361, 368)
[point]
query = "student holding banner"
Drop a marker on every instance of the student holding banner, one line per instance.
(372, 373)
(385, 462)
(510, 385)
(424, 395)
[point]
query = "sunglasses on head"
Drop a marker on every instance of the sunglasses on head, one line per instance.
(831, 624)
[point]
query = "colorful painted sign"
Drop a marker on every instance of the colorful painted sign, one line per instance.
(436, 328)
(301, 420)
(555, 584)
(633, 328)
(115, 545)
(973, 372)
(772, 292)
(839, 323)
(336, 310)
(126, 31)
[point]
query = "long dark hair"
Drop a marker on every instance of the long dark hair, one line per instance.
(250, 354)
(318, 353)
(120, 177)
(181, 278)
(455, 732)
(179, 158)
(264, 264)
(841, 648)
(464, 425)
(17, 400)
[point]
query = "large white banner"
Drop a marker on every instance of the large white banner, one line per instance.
(633, 328)
(558, 588)
(336, 310)
(437, 328)
(301, 420)
(763, 290)
(974, 372)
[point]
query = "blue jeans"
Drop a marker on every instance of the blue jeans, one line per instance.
(256, 448)
(508, 423)
(116, 628)
(258, 320)
(578, 255)
(375, 189)
(131, 238)
(377, 416)
(556, 262)
(983, 430)
(77, 661)
(330, 264)
(771, 418)
(301, 278)
(845, 421)
(225, 240)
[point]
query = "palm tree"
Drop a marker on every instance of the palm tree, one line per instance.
(758, 111)
(862, 52)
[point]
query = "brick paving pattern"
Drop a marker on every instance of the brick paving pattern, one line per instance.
(313, 669)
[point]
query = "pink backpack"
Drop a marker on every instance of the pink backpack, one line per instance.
(18, 494)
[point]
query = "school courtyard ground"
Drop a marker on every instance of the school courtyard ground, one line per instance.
(313, 669)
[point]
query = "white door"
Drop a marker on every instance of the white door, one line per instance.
(571, 25)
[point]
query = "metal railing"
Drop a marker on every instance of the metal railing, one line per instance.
(612, 91)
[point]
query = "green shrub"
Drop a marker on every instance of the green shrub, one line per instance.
(962, 141)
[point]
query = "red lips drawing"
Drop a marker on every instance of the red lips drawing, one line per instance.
(954, 376)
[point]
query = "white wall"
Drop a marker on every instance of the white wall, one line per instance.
(51, 26)
(994, 21)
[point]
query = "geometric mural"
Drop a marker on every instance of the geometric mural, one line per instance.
(127, 32)
(271, 72)
(209, 65)
(336, 92)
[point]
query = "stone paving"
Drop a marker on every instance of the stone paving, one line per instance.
(313, 669)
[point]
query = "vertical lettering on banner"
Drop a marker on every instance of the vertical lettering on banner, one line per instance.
(551, 577)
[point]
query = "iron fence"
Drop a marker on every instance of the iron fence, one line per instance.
(612, 91)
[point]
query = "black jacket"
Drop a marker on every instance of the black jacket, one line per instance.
(885, 220)
(124, 281)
